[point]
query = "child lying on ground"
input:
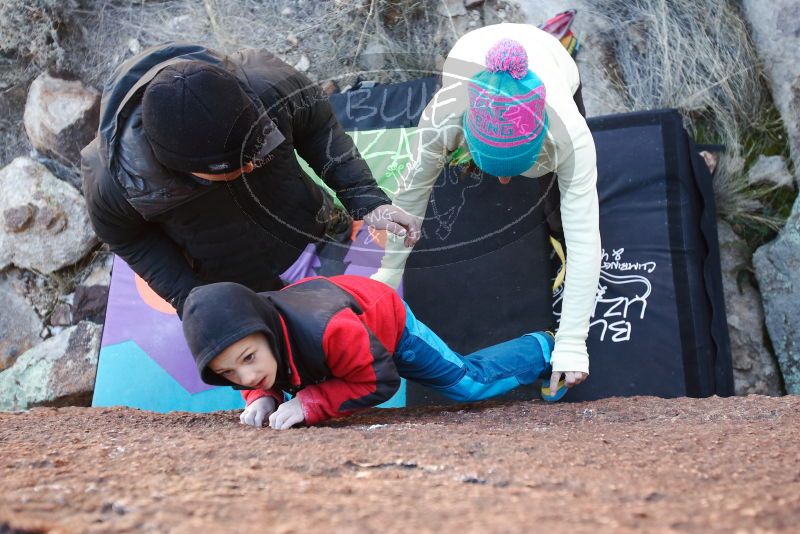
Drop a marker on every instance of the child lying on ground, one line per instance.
(338, 345)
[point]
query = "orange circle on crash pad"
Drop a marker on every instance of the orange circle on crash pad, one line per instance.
(378, 236)
(152, 299)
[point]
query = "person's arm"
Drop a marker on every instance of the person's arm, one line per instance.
(363, 372)
(438, 133)
(577, 180)
(322, 142)
(143, 245)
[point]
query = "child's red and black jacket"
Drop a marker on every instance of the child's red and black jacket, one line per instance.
(333, 337)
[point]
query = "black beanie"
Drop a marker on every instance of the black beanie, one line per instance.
(198, 119)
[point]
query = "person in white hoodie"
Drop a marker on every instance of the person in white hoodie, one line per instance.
(510, 98)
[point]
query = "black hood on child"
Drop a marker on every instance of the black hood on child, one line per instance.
(217, 315)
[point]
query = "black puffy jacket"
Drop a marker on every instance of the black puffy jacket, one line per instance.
(177, 232)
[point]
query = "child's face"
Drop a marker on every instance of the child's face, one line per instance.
(249, 362)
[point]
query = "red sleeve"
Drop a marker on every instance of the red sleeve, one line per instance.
(363, 371)
(252, 394)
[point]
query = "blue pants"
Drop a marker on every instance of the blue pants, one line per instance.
(423, 357)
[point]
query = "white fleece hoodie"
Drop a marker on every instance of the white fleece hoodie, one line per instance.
(568, 150)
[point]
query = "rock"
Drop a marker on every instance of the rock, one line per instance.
(475, 16)
(20, 218)
(373, 58)
(181, 24)
(52, 218)
(770, 170)
(46, 225)
(596, 56)
(287, 12)
(461, 26)
(451, 8)
(393, 12)
(329, 87)
(62, 315)
(754, 368)
(776, 33)
(90, 304)
(60, 371)
(777, 266)
(100, 273)
(55, 330)
(469, 4)
(35, 288)
(450, 31)
(61, 117)
(134, 46)
(19, 325)
(292, 39)
(67, 172)
(303, 64)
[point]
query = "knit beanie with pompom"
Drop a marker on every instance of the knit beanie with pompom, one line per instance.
(505, 123)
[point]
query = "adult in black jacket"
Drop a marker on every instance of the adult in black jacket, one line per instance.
(192, 178)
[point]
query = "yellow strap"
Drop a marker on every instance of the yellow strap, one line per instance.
(562, 271)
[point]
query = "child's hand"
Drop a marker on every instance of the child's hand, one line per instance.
(257, 411)
(288, 414)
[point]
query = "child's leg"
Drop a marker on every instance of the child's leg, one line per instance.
(423, 357)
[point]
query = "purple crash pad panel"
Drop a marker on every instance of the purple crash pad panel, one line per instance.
(135, 313)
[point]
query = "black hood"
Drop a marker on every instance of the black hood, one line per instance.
(217, 315)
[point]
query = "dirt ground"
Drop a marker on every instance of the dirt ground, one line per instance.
(617, 465)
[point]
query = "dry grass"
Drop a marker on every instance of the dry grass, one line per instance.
(698, 57)
(33, 31)
(31, 39)
(403, 37)
(384, 40)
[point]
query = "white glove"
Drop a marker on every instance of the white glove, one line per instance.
(257, 411)
(397, 221)
(288, 414)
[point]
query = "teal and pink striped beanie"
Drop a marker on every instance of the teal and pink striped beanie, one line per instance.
(505, 123)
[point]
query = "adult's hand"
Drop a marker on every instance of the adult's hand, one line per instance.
(397, 221)
(572, 378)
(287, 415)
(257, 411)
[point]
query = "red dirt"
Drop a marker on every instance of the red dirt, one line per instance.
(699, 465)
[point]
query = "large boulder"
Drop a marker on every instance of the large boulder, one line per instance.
(19, 325)
(754, 368)
(777, 266)
(60, 371)
(45, 225)
(770, 171)
(61, 117)
(596, 55)
(776, 32)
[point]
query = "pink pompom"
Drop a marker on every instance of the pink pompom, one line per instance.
(508, 56)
